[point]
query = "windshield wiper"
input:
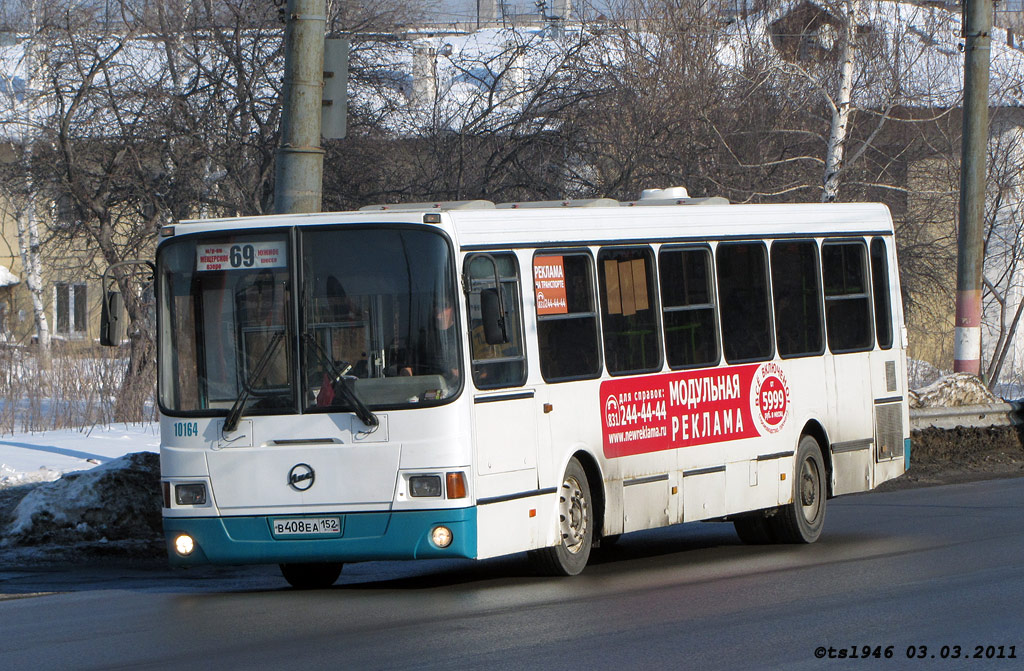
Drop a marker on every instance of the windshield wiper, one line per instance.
(340, 382)
(231, 421)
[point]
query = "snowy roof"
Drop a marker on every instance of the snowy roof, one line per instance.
(7, 278)
(922, 57)
(463, 80)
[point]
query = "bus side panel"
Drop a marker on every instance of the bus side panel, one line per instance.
(648, 504)
(704, 496)
(851, 470)
(574, 425)
(506, 527)
(750, 484)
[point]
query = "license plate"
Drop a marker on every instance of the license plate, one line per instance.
(307, 526)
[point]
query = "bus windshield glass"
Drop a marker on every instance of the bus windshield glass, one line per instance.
(370, 325)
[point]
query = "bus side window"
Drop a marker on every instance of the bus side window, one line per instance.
(796, 294)
(847, 302)
(629, 310)
(880, 288)
(566, 316)
(742, 271)
(688, 307)
(501, 365)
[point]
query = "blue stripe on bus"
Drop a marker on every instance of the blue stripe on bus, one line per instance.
(365, 536)
(906, 454)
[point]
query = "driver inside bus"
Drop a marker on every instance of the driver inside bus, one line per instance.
(436, 350)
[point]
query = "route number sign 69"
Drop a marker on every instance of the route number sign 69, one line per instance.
(241, 256)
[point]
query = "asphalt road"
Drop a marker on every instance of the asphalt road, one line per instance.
(933, 572)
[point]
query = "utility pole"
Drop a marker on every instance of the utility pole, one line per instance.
(300, 159)
(977, 26)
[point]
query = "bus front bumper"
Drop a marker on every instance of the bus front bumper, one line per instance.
(362, 537)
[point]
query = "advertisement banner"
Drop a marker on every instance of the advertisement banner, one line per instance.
(687, 408)
(549, 285)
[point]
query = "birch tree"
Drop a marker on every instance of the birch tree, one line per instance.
(840, 105)
(846, 71)
(20, 185)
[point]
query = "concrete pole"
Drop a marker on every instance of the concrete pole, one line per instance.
(977, 18)
(300, 160)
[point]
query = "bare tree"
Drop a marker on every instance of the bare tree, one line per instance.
(1004, 255)
(459, 117)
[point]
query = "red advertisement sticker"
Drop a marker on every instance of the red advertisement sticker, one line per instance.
(673, 410)
(549, 285)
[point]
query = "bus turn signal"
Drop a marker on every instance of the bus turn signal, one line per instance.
(456, 485)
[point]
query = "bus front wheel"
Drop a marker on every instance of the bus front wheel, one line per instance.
(575, 526)
(802, 520)
(311, 576)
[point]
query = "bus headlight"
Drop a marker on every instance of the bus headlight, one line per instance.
(425, 485)
(192, 494)
(184, 545)
(441, 536)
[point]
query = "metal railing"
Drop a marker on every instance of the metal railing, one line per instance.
(972, 416)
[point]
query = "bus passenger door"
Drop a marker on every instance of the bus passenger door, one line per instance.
(504, 410)
(851, 412)
(851, 339)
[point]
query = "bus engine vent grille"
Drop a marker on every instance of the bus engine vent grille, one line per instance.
(890, 376)
(889, 431)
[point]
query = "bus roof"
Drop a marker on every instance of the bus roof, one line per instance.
(480, 227)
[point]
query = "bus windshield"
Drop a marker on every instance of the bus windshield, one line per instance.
(370, 324)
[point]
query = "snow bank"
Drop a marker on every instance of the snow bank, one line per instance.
(119, 500)
(12, 477)
(952, 390)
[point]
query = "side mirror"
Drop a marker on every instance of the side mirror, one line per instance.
(492, 317)
(112, 319)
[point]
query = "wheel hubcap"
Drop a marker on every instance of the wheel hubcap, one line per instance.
(573, 512)
(810, 490)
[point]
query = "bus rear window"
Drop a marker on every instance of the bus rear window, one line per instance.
(880, 287)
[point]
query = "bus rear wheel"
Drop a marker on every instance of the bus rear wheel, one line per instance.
(575, 526)
(803, 520)
(311, 576)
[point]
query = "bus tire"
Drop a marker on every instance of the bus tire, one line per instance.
(575, 527)
(319, 575)
(754, 529)
(802, 520)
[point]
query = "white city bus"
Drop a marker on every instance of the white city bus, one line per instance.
(472, 380)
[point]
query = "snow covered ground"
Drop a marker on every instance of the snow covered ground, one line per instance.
(65, 491)
(43, 457)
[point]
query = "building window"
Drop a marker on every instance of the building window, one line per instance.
(70, 308)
